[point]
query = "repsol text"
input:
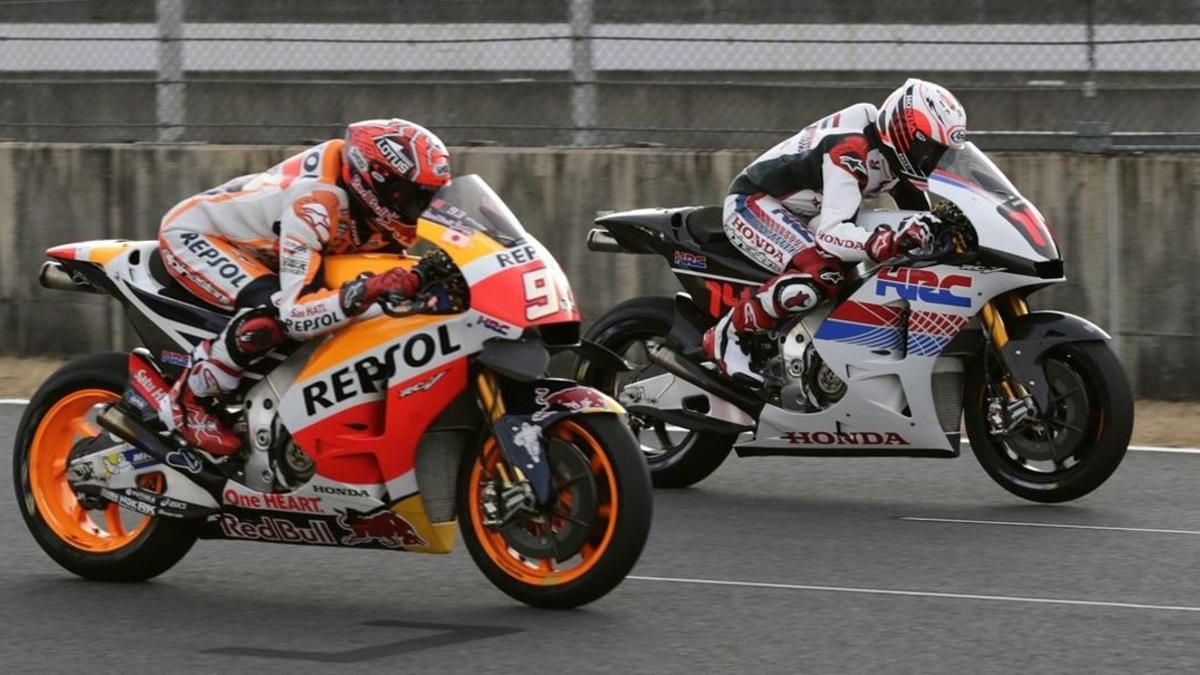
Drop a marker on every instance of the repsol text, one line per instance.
(370, 374)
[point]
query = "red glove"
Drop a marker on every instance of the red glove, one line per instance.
(362, 293)
(916, 235)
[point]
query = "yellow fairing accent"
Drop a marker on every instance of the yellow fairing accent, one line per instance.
(342, 268)
(439, 537)
(462, 247)
(101, 253)
(350, 342)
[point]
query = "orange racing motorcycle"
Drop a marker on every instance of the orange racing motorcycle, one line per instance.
(382, 435)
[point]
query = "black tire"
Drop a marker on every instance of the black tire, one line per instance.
(698, 454)
(634, 511)
(156, 549)
(1101, 438)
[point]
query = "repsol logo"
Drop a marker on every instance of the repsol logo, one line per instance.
(211, 256)
(516, 256)
(310, 324)
(370, 374)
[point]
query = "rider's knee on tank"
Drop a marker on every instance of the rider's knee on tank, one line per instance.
(252, 333)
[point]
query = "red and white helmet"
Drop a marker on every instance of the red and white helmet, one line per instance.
(392, 169)
(918, 122)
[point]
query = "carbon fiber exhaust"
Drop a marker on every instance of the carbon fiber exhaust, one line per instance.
(599, 239)
(116, 421)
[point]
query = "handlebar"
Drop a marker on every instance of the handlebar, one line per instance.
(450, 295)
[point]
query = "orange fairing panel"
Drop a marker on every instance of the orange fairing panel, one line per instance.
(99, 251)
(364, 398)
(342, 268)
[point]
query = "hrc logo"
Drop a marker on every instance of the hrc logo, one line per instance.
(912, 284)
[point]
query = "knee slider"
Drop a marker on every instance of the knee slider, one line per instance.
(252, 333)
(790, 294)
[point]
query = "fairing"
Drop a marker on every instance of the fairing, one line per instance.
(1003, 219)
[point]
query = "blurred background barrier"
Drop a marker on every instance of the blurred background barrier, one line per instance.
(702, 74)
(1128, 226)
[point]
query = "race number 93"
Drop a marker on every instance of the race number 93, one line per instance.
(541, 294)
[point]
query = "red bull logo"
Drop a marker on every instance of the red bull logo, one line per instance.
(571, 399)
(382, 527)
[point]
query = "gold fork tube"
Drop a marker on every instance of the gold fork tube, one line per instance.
(994, 322)
(995, 325)
(489, 395)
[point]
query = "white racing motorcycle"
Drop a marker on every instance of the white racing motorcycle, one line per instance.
(893, 367)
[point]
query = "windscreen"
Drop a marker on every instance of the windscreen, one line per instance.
(970, 168)
(468, 202)
(970, 163)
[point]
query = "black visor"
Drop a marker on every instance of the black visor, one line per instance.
(405, 198)
(924, 156)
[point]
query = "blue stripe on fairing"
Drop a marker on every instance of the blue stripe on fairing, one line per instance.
(858, 334)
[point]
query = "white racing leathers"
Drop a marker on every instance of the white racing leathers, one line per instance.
(256, 242)
(807, 191)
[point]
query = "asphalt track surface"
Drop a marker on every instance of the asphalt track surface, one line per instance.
(771, 565)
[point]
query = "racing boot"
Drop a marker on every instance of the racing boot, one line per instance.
(216, 368)
(790, 293)
(192, 417)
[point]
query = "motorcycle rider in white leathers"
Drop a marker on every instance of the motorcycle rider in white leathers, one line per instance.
(792, 210)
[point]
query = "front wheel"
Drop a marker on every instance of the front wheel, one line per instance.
(590, 537)
(1081, 438)
(98, 541)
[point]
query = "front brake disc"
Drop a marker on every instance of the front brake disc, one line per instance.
(559, 532)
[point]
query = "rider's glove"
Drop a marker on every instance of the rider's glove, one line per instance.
(915, 236)
(361, 293)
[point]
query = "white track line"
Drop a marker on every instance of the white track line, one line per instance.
(919, 594)
(1065, 526)
(1145, 449)
(14, 401)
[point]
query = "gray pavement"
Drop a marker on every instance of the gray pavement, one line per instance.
(845, 585)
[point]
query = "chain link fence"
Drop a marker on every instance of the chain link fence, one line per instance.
(1075, 74)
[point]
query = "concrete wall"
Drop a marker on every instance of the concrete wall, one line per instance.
(1127, 226)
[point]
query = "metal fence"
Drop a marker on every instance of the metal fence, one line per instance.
(1076, 74)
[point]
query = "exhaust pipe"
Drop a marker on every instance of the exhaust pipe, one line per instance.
(667, 359)
(599, 239)
(113, 419)
(53, 276)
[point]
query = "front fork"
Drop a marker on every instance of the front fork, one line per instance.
(1018, 405)
(512, 495)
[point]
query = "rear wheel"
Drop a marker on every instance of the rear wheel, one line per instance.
(96, 541)
(677, 457)
(589, 538)
(1081, 438)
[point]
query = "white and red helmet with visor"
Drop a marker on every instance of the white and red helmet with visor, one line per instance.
(392, 169)
(918, 122)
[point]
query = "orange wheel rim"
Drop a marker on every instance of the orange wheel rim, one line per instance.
(545, 572)
(60, 428)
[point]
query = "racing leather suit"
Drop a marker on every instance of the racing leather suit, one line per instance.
(792, 212)
(254, 246)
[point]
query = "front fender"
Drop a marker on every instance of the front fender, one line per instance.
(532, 407)
(1032, 335)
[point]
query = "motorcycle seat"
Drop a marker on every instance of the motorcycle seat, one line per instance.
(706, 225)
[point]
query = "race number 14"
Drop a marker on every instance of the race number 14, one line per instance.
(541, 294)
